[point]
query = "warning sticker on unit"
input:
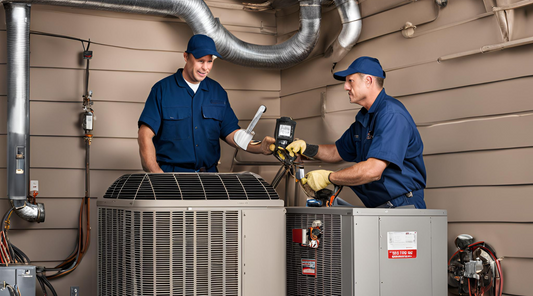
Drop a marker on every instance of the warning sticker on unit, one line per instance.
(309, 267)
(401, 245)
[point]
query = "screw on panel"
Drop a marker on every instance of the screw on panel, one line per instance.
(74, 291)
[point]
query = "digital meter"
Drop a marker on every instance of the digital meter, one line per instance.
(284, 133)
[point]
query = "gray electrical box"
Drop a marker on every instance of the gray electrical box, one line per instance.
(367, 252)
(23, 276)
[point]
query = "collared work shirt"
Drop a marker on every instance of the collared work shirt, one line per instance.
(188, 126)
(387, 132)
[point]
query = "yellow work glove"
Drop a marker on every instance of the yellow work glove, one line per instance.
(296, 147)
(317, 180)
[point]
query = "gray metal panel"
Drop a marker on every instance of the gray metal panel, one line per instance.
(347, 248)
(263, 252)
(439, 252)
(406, 277)
(22, 276)
(366, 253)
(355, 211)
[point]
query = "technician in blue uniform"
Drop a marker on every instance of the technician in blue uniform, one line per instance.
(186, 114)
(383, 142)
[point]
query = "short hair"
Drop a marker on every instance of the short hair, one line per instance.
(379, 81)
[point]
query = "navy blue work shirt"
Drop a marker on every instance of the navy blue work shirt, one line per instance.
(188, 126)
(387, 132)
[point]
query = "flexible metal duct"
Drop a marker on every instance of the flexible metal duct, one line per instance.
(18, 115)
(351, 30)
(198, 16)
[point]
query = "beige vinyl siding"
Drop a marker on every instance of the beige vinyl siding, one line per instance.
(474, 115)
(131, 53)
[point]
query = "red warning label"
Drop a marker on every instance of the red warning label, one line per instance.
(402, 254)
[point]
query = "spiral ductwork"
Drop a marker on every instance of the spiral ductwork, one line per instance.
(18, 115)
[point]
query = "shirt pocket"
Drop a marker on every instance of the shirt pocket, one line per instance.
(176, 123)
(213, 116)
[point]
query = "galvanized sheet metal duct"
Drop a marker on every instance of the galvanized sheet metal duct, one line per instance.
(351, 30)
(18, 115)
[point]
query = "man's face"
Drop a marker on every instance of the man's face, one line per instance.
(356, 88)
(196, 70)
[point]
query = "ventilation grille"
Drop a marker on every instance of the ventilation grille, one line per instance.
(328, 255)
(168, 253)
(191, 186)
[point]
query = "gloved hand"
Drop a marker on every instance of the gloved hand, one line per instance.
(317, 180)
(299, 146)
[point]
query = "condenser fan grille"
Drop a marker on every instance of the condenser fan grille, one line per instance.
(191, 186)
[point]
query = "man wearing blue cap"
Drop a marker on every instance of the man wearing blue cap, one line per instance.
(383, 142)
(186, 114)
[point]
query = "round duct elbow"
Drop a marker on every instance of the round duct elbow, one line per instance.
(351, 30)
(29, 212)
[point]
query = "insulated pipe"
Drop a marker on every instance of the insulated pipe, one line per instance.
(351, 30)
(198, 16)
(18, 115)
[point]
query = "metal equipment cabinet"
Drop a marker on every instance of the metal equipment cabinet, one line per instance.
(367, 252)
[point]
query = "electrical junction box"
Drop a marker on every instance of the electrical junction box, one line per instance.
(368, 252)
(23, 276)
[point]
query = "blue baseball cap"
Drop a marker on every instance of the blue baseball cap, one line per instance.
(201, 45)
(365, 65)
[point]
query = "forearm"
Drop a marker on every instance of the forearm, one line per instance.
(361, 173)
(328, 153)
(147, 150)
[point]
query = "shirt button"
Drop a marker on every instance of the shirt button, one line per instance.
(195, 127)
(196, 145)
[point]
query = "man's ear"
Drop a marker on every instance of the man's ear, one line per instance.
(369, 79)
(185, 56)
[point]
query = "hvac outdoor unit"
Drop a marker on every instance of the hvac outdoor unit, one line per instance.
(368, 252)
(191, 234)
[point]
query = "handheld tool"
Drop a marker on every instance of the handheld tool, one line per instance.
(243, 136)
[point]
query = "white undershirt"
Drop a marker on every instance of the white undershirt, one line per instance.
(193, 86)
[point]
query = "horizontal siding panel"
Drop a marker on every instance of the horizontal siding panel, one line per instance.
(497, 235)
(482, 68)
(126, 32)
(474, 101)
(3, 40)
(486, 201)
(59, 213)
(58, 152)
(116, 154)
(483, 168)
(59, 183)
(324, 130)
(63, 84)
(478, 134)
(53, 244)
(61, 119)
(428, 47)
(304, 104)
(246, 103)
(56, 52)
(338, 99)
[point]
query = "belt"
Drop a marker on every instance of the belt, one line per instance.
(187, 166)
(408, 195)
